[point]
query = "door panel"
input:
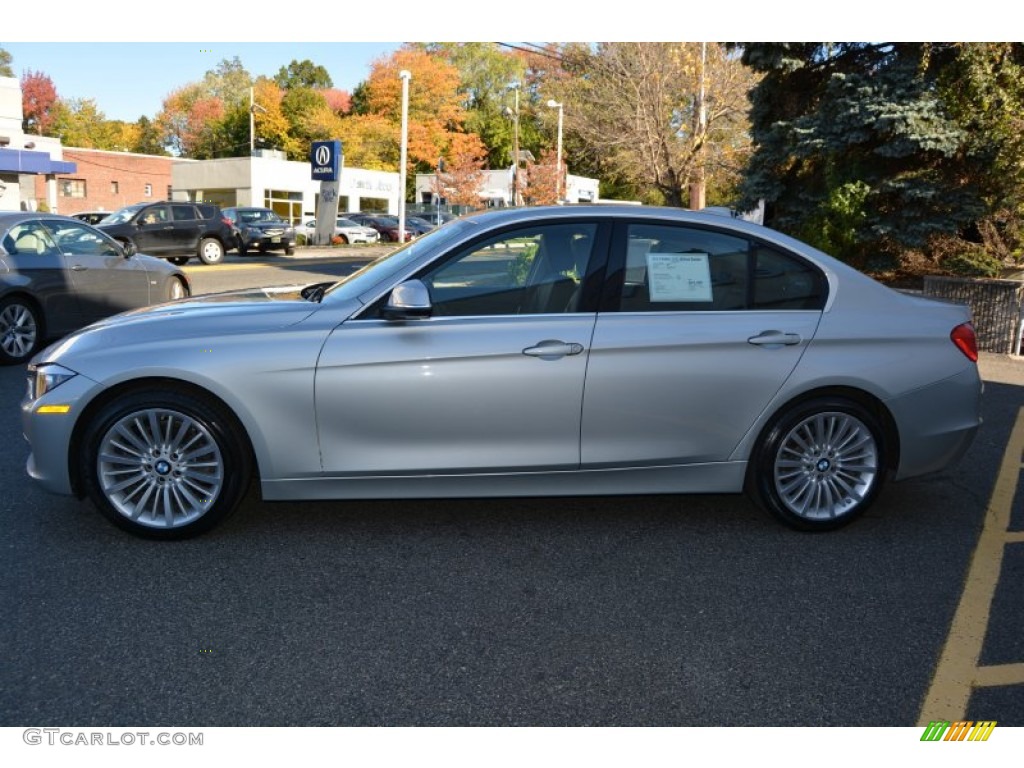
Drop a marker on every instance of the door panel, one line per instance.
(453, 394)
(683, 387)
(105, 282)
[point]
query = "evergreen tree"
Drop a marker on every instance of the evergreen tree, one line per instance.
(872, 151)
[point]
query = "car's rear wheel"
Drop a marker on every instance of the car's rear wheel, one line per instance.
(21, 330)
(176, 289)
(820, 465)
(289, 251)
(178, 261)
(342, 239)
(164, 464)
(211, 251)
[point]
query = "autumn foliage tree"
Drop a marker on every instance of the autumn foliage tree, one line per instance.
(38, 97)
(635, 108)
(460, 179)
(542, 179)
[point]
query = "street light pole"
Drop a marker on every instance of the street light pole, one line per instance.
(406, 76)
(558, 154)
(514, 114)
(253, 108)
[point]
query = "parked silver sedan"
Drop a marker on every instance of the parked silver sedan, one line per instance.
(58, 273)
(518, 352)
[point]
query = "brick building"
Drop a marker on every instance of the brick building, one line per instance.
(106, 181)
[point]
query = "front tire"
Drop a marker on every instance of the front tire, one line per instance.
(820, 465)
(21, 330)
(176, 289)
(178, 261)
(165, 464)
(211, 251)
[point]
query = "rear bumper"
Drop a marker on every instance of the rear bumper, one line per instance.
(937, 423)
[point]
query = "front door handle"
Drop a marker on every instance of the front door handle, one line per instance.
(775, 339)
(78, 268)
(552, 349)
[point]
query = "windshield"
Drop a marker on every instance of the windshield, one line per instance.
(385, 267)
(123, 215)
(258, 215)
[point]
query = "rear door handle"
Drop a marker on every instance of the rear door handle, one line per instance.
(552, 349)
(78, 268)
(775, 339)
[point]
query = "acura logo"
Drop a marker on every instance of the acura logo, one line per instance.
(323, 155)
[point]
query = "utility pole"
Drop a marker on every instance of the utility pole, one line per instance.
(514, 114)
(698, 188)
(406, 76)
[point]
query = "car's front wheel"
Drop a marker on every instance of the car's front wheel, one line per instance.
(178, 261)
(820, 465)
(176, 289)
(21, 330)
(164, 463)
(211, 251)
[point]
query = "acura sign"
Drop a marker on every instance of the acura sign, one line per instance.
(325, 157)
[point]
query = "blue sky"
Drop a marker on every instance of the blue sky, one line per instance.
(128, 80)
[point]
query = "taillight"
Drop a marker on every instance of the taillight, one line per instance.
(965, 340)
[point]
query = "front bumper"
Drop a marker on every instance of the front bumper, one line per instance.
(49, 434)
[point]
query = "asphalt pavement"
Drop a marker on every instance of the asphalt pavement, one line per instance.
(643, 611)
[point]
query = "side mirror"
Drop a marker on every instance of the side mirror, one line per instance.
(409, 300)
(129, 249)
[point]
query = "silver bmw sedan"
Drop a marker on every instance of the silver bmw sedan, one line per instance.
(522, 352)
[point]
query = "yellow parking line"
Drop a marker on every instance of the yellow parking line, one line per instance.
(957, 672)
(999, 674)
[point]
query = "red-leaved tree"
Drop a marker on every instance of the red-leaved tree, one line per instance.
(38, 96)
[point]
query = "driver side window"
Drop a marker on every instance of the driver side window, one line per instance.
(524, 272)
(80, 240)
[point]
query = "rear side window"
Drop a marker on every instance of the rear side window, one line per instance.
(669, 268)
(207, 211)
(184, 212)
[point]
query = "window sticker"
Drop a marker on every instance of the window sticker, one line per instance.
(679, 276)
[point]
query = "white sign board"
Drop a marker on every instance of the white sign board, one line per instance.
(679, 277)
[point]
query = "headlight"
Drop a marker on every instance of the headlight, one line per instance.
(45, 377)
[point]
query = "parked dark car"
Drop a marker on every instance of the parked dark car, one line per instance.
(417, 224)
(58, 274)
(175, 231)
(386, 225)
(260, 229)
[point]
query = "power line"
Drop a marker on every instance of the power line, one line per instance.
(537, 51)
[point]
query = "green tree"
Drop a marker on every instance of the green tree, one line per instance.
(881, 150)
(148, 140)
(303, 74)
(6, 70)
(80, 123)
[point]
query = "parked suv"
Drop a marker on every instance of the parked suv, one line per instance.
(175, 231)
(260, 228)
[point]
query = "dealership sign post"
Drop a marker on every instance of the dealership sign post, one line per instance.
(327, 163)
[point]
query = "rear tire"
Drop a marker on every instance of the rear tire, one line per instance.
(211, 251)
(820, 465)
(164, 464)
(21, 330)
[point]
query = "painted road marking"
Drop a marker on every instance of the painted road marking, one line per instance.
(958, 673)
